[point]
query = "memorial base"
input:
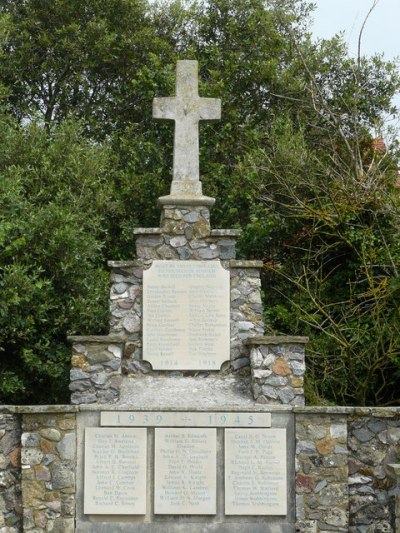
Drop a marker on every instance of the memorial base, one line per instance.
(259, 462)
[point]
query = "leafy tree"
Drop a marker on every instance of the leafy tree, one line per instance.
(292, 163)
(54, 201)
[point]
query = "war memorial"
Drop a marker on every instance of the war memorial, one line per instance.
(186, 417)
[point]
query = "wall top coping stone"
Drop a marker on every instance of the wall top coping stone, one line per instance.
(185, 200)
(98, 339)
(122, 264)
(147, 231)
(277, 339)
(239, 263)
(38, 409)
(233, 263)
(214, 232)
(226, 232)
(256, 408)
(384, 412)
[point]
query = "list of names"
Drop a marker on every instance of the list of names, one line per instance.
(255, 472)
(186, 319)
(185, 471)
(115, 471)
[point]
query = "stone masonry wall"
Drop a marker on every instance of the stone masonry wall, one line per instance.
(10, 473)
(374, 443)
(277, 369)
(96, 369)
(48, 459)
(321, 472)
(347, 469)
(126, 310)
(246, 309)
(185, 233)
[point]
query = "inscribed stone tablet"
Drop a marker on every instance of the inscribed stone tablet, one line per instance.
(185, 419)
(185, 471)
(115, 471)
(186, 315)
(255, 472)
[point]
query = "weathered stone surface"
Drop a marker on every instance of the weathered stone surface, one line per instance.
(62, 476)
(186, 180)
(325, 446)
(31, 456)
(78, 398)
(240, 363)
(363, 435)
(99, 378)
(131, 324)
(207, 253)
(30, 439)
(304, 483)
(289, 388)
(390, 436)
(42, 473)
(275, 381)
(78, 374)
(63, 525)
(269, 392)
(50, 434)
(79, 361)
(260, 374)
(79, 386)
(67, 447)
(280, 367)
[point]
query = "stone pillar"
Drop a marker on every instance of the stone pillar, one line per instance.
(185, 234)
(10, 475)
(96, 368)
(277, 369)
(48, 459)
(246, 309)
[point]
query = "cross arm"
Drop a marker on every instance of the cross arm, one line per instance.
(210, 109)
(164, 108)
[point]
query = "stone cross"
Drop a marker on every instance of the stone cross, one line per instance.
(187, 108)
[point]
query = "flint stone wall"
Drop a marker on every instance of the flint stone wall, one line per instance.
(96, 369)
(344, 477)
(48, 458)
(344, 481)
(10, 473)
(374, 444)
(126, 310)
(277, 369)
(185, 233)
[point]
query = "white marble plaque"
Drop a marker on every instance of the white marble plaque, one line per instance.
(115, 471)
(185, 471)
(186, 315)
(185, 419)
(255, 472)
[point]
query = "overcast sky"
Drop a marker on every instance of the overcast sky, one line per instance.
(381, 32)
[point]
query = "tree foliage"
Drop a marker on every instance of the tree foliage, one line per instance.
(292, 162)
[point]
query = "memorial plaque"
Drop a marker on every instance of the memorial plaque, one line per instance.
(185, 471)
(115, 471)
(186, 315)
(255, 472)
